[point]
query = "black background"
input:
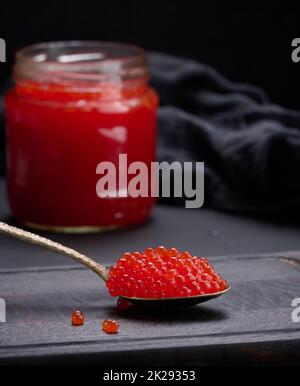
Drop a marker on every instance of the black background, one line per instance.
(245, 42)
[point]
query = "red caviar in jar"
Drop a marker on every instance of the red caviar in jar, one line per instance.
(163, 273)
(75, 105)
(110, 326)
(77, 318)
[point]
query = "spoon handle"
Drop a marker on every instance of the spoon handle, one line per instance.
(55, 247)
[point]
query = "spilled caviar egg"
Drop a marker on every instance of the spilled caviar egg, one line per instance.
(163, 273)
(77, 318)
(110, 326)
(123, 304)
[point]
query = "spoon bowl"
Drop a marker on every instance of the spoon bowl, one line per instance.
(175, 302)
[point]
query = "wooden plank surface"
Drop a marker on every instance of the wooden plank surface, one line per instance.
(251, 324)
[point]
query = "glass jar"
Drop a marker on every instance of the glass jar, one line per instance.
(73, 106)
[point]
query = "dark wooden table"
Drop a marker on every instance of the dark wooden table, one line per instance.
(251, 324)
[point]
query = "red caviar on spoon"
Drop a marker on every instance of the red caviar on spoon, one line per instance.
(160, 277)
(163, 273)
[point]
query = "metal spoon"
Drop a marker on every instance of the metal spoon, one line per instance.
(102, 271)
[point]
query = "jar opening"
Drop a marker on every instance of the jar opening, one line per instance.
(80, 62)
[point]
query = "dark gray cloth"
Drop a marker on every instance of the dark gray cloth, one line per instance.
(251, 148)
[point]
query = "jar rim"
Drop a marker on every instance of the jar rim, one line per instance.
(80, 61)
